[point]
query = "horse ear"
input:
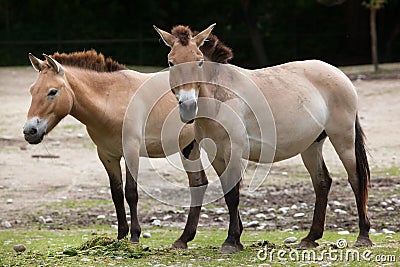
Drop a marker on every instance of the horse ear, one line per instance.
(54, 64)
(202, 36)
(37, 64)
(168, 38)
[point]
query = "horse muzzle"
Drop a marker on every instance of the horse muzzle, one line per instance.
(34, 130)
(188, 110)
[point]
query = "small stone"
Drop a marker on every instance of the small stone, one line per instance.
(337, 203)
(19, 248)
(101, 216)
(156, 222)
(260, 216)
(85, 259)
(114, 226)
(294, 207)
(219, 219)
(167, 217)
(290, 240)
(271, 210)
(285, 173)
(283, 210)
(390, 209)
(303, 205)
(298, 215)
(153, 218)
(384, 203)
(219, 210)
(48, 219)
(261, 227)
(253, 224)
(372, 231)
(55, 143)
(9, 201)
(252, 211)
(388, 237)
(114, 215)
(146, 235)
(102, 191)
(295, 227)
(387, 231)
(339, 211)
(79, 135)
(345, 232)
(42, 220)
(204, 216)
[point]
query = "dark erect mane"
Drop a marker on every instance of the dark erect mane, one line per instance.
(213, 49)
(89, 60)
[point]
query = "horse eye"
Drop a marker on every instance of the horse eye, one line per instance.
(170, 63)
(201, 63)
(52, 92)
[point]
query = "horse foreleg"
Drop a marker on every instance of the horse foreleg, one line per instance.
(230, 181)
(112, 166)
(131, 195)
(321, 180)
(198, 185)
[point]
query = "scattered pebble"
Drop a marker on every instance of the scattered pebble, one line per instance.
(283, 210)
(303, 205)
(19, 248)
(384, 203)
(79, 135)
(339, 211)
(387, 231)
(337, 203)
(372, 231)
(42, 220)
(253, 224)
(48, 219)
(290, 240)
(271, 210)
(294, 207)
(146, 235)
(167, 217)
(219, 210)
(390, 209)
(204, 216)
(388, 237)
(85, 259)
(153, 218)
(101, 216)
(345, 232)
(299, 214)
(295, 227)
(156, 222)
(261, 216)
(9, 201)
(252, 211)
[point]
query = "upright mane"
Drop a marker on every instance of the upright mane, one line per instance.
(90, 60)
(213, 49)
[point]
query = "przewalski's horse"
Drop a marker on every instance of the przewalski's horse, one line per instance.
(308, 101)
(97, 91)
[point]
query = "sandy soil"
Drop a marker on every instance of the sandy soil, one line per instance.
(34, 183)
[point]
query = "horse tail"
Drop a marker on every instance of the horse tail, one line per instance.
(362, 165)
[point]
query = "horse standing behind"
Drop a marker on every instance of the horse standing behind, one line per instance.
(308, 101)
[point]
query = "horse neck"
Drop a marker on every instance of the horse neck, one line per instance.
(89, 95)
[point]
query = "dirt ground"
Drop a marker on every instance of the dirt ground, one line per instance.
(73, 188)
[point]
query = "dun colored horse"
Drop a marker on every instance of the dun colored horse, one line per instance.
(97, 91)
(308, 101)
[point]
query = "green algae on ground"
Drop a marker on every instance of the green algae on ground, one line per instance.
(109, 247)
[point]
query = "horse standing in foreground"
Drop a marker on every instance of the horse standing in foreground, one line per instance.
(309, 100)
(97, 91)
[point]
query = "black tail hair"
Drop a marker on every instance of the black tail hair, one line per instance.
(363, 172)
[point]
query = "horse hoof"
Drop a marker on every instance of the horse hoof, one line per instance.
(179, 244)
(231, 248)
(363, 241)
(306, 243)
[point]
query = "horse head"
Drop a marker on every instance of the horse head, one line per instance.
(52, 99)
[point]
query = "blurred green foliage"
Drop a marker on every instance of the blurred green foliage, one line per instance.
(288, 29)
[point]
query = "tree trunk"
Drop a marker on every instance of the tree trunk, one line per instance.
(256, 38)
(374, 41)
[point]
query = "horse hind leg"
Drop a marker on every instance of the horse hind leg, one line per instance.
(314, 162)
(351, 151)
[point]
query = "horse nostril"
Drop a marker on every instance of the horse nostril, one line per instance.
(180, 102)
(31, 131)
